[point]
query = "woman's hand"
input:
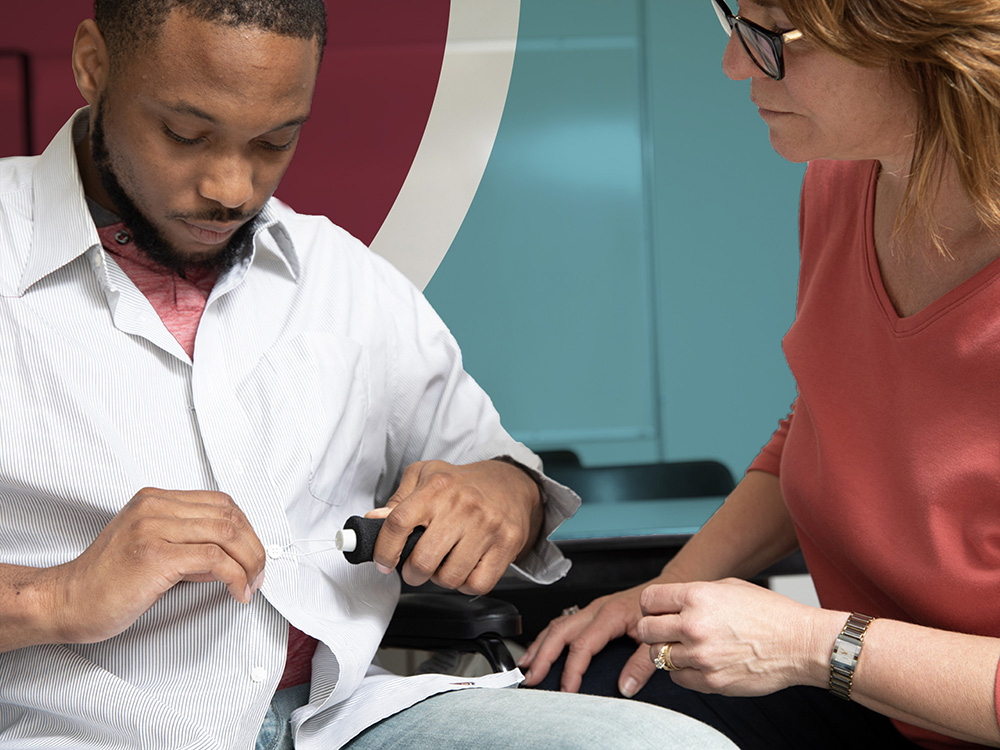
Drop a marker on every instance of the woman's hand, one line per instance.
(585, 634)
(735, 638)
(750, 531)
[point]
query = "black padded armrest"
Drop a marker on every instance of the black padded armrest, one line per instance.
(452, 621)
(447, 616)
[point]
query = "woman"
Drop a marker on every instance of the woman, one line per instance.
(887, 471)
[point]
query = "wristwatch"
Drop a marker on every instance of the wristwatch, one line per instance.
(846, 650)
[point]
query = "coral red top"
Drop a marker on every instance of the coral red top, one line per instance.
(890, 460)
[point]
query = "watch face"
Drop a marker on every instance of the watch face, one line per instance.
(845, 654)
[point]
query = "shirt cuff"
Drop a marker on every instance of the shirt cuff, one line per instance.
(545, 563)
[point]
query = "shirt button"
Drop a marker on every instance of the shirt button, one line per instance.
(275, 551)
(258, 674)
(122, 237)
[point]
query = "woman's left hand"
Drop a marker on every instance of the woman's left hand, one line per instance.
(735, 638)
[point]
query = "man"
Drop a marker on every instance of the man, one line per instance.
(250, 378)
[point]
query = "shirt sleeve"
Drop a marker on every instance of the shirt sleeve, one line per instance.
(545, 563)
(769, 458)
(439, 412)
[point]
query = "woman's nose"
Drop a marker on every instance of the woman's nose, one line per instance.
(736, 62)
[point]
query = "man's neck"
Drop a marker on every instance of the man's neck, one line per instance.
(102, 217)
(92, 186)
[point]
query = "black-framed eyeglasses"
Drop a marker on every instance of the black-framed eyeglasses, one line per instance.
(765, 47)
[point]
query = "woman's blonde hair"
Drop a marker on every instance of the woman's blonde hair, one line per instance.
(948, 53)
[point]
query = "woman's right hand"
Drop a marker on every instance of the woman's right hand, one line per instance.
(584, 634)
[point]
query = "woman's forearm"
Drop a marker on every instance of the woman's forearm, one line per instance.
(737, 639)
(749, 532)
(934, 679)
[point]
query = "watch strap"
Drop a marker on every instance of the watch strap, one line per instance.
(846, 651)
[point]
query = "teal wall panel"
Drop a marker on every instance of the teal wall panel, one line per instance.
(546, 285)
(627, 268)
(726, 238)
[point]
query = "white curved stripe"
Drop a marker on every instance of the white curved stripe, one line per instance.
(456, 145)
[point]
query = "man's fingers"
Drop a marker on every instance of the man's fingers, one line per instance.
(476, 521)
(472, 565)
(407, 484)
(396, 528)
(224, 530)
(485, 574)
(196, 536)
(209, 562)
(159, 538)
(453, 554)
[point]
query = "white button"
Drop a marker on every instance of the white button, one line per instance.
(258, 674)
(275, 551)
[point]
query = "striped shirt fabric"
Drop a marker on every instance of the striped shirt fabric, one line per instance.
(319, 374)
(179, 302)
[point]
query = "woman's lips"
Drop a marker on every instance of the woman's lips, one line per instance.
(767, 112)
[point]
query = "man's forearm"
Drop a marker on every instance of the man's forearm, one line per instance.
(25, 607)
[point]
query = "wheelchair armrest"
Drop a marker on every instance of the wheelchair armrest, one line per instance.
(450, 621)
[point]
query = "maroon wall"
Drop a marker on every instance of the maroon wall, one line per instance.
(373, 96)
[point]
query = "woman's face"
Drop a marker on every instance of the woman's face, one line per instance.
(826, 107)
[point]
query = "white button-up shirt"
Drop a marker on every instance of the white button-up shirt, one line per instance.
(319, 374)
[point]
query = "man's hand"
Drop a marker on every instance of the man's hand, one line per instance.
(479, 518)
(158, 539)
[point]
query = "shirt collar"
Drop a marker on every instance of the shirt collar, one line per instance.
(64, 228)
(270, 234)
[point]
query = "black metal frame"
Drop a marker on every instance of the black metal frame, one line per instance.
(429, 621)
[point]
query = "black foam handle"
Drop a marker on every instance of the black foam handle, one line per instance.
(367, 530)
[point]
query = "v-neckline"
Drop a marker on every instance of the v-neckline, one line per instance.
(900, 324)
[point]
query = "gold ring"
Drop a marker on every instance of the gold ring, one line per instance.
(570, 610)
(662, 660)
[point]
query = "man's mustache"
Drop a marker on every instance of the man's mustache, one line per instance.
(216, 216)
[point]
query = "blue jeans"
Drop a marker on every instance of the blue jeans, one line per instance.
(477, 719)
(276, 731)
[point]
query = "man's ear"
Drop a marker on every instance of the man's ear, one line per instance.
(90, 61)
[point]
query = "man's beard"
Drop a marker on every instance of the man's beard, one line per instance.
(147, 237)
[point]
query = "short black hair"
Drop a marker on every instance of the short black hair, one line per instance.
(128, 25)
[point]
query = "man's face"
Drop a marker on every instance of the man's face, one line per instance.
(192, 136)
